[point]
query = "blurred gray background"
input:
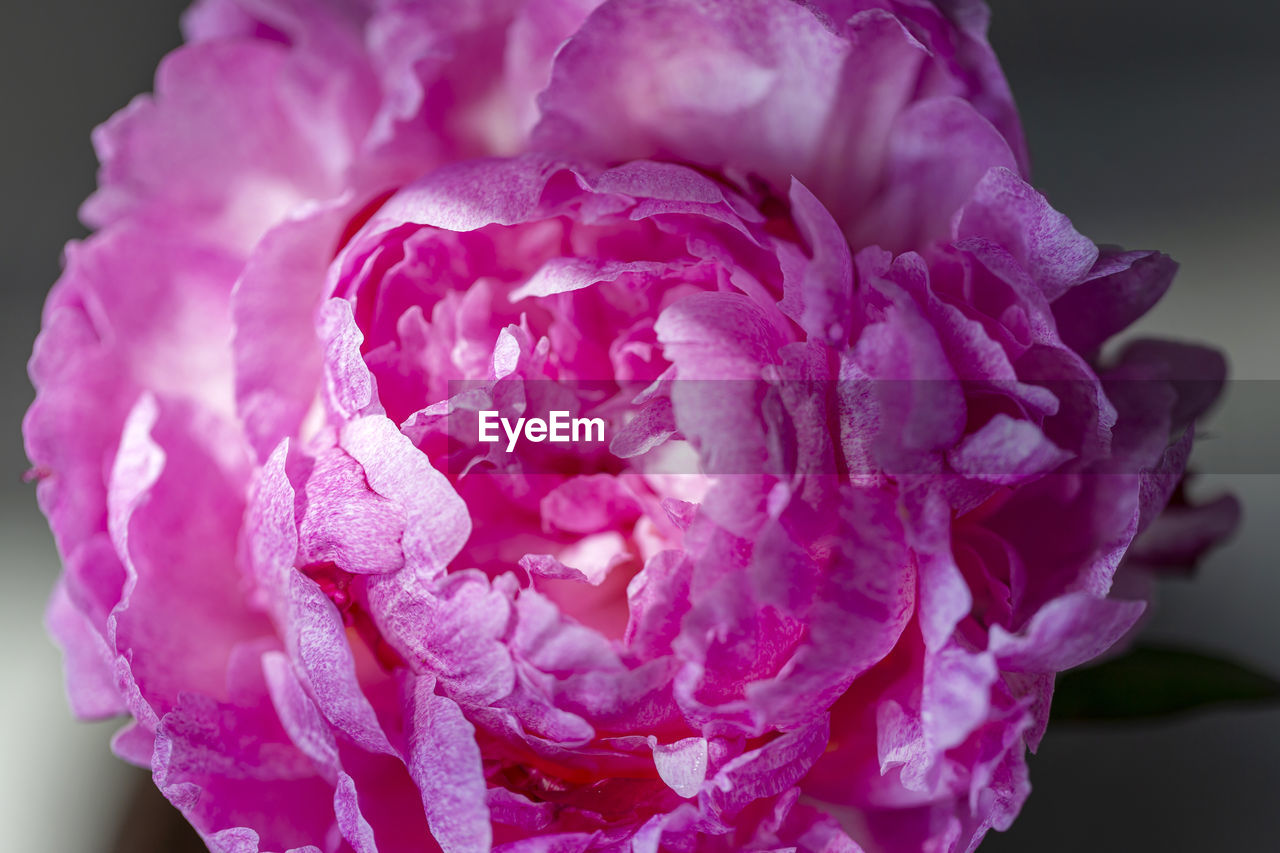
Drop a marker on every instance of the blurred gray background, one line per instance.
(1152, 124)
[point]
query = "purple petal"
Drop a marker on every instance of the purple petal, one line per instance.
(444, 761)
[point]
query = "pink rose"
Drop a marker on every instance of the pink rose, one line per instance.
(861, 483)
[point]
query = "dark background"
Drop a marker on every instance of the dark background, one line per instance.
(1151, 124)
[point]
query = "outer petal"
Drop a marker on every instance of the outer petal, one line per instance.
(232, 771)
(1006, 221)
(276, 346)
(88, 660)
(222, 148)
(1066, 632)
(775, 89)
(1121, 288)
(98, 351)
(445, 762)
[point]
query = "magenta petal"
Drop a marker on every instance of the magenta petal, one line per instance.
(937, 152)
(1121, 288)
(651, 427)
(350, 383)
(1196, 373)
(219, 148)
(589, 504)
(717, 336)
(658, 599)
(825, 94)
(565, 275)
(90, 669)
(1006, 451)
(346, 807)
(436, 519)
(945, 599)
(769, 770)
(455, 634)
(182, 594)
(310, 732)
(445, 763)
(748, 86)
(319, 642)
(346, 523)
(232, 771)
(276, 346)
(1006, 221)
(821, 302)
(1180, 535)
(471, 195)
(539, 29)
(97, 352)
(682, 765)
(1066, 632)
(300, 717)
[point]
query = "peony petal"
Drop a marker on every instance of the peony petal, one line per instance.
(436, 520)
(1012, 228)
(682, 765)
(1064, 633)
(89, 663)
(221, 147)
(277, 348)
(1121, 288)
(445, 763)
(1006, 451)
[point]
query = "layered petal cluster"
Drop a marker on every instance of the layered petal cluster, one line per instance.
(864, 478)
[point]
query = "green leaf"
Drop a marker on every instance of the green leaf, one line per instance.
(1154, 681)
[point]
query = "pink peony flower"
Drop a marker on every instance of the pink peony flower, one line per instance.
(861, 484)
